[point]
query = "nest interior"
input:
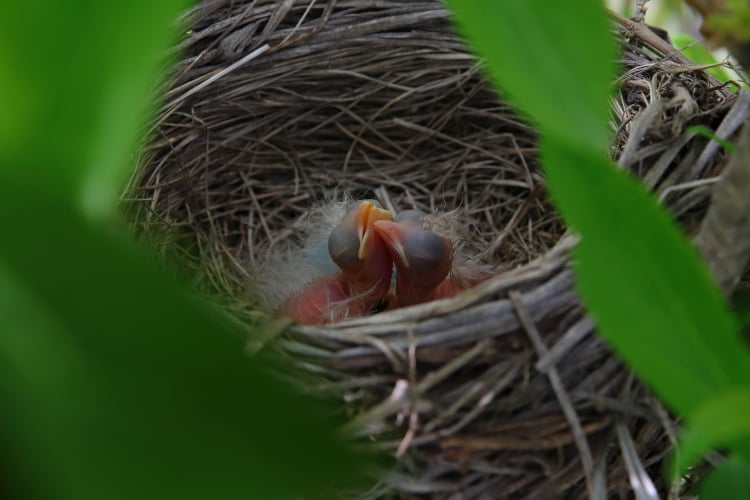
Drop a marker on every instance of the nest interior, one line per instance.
(503, 391)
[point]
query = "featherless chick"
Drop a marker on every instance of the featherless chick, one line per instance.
(428, 266)
(364, 272)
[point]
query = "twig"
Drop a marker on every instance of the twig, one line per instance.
(640, 11)
(562, 396)
(642, 485)
(249, 57)
(647, 36)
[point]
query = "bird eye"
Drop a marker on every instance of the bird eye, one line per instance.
(426, 252)
(343, 246)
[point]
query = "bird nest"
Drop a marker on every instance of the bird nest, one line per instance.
(505, 390)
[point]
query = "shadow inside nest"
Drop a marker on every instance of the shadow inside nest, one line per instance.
(504, 390)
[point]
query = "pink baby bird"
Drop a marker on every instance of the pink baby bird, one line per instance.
(424, 260)
(365, 271)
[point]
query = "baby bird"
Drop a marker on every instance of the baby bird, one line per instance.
(365, 271)
(426, 268)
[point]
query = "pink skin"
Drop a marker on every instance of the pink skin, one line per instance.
(313, 304)
(365, 276)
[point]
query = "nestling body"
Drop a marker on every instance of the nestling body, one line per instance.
(364, 277)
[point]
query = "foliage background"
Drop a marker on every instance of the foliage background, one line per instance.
(116, 383)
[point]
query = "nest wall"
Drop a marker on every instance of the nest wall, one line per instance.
(503, 391)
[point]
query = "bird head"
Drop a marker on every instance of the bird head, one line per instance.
(359, 251)
(423, 259)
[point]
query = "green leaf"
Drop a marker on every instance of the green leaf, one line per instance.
(709, 134)
(741, 303)
(730, 480)
(75, 82)
(699, 53)
(720, 421)
(556, 61)
(644, 284)
(642, 281)
(115, 384)
(731, 18)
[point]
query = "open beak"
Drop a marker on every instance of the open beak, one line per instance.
(366, 216)
(353, 239)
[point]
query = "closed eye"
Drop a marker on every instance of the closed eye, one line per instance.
(426, 252)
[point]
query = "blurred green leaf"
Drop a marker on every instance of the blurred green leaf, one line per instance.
(556, 61)
(741, 303)
(116, 385)
(76, 79)
(730, 480)
(700, 54)
(730, 18)
(709, 134)
(644, 284)
(718, 422)
(642, 281)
